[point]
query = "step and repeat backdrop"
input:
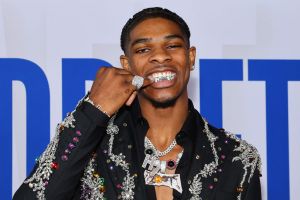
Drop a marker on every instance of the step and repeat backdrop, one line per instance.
(246, 79)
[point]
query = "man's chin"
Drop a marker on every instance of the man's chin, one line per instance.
(162, 103)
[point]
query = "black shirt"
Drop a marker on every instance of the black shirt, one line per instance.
(215, 164)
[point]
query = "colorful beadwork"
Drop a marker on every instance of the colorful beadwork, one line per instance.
(92, 185)
(39, 179)
(54, 165)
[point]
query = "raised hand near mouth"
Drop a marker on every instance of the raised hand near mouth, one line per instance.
(114, 87)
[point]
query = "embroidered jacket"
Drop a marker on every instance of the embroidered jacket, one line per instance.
(94, 157)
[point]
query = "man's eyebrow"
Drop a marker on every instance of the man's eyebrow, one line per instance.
(144, 40)
(174, 36)
(140, 40)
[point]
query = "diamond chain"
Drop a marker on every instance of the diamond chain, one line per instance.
(157, 152)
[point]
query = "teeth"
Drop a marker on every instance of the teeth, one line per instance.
(160, 76)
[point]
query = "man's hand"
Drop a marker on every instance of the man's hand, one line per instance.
(112, 88)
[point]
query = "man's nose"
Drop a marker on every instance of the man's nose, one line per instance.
(160, 55)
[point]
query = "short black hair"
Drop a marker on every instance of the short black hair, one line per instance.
(153, 13)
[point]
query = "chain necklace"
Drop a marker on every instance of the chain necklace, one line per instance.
(157, 152)
(155, 169)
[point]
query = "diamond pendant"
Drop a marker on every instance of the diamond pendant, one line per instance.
(170, 180)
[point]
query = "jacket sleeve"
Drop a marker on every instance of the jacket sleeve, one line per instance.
(254, 189)
(58, 170)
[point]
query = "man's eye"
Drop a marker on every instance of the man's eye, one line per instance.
(174, 46)
(143, 50)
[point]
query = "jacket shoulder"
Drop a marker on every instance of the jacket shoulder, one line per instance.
(245, 153)
(238, 149)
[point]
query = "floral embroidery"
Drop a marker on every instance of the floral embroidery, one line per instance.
(249, 157)
(208, 169)
(119, 160)
(39, 180)
(69, 121)
(92, 186)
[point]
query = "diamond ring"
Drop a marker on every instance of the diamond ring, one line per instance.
(137, 81)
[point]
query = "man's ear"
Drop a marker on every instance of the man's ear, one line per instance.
(192, 57)
(124, 62)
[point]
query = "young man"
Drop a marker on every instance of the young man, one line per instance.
(136, 135)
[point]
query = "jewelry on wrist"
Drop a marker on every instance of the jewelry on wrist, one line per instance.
(99, 107)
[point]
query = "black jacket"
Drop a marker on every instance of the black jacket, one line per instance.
(77, 163)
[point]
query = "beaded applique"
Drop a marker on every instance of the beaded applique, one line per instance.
(92, 186)
(39, 180)
(119, 160)
(69, 121)
(208, 169)
(249, 157)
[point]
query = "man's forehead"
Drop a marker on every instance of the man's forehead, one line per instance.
(156, 28)
(154, 23)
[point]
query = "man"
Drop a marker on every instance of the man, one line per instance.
(136, 135)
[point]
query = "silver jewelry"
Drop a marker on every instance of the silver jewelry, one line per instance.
(155, 174)
(170, 180)
(163, 166)
(179, 157)
(158, 153)
(99, 107)
(137, 81)
(170, 164)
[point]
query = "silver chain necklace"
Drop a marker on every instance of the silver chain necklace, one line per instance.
(160, 153)
(155, 169)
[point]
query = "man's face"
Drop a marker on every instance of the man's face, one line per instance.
(157, 49)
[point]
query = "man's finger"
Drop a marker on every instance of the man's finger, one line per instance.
(131, 98)
(147, 82)
(122, 71)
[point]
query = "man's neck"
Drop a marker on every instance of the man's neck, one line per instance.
(164, 123)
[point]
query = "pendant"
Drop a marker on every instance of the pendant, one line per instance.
(155, 172)
(171, 164)
(153, 162)
(170, 180)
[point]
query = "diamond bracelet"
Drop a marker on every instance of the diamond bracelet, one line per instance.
(87, 99)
